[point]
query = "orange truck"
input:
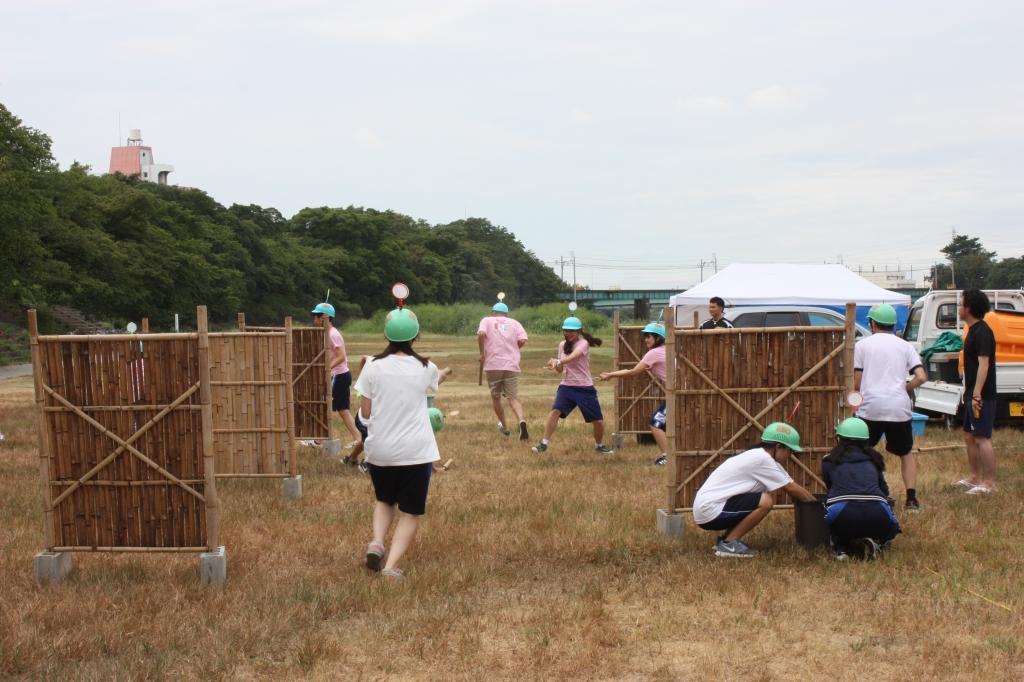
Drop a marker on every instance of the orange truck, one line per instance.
(937, 312)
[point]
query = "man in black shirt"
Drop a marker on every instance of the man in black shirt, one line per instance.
(716, 307)
(979, 394)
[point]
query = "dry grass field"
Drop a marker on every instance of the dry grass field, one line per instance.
(526, 567)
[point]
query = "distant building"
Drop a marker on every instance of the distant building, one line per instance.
(136, 159)
(889, 277)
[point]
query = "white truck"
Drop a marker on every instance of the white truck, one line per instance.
(937, 312)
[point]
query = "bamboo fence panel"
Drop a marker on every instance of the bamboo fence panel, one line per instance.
(124, 455)
(311, 382)
(250, 375)
(725, 385)
(636, 397)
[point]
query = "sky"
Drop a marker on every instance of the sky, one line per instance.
(643, 138)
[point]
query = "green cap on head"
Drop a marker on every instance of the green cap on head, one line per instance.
(572, 324)
(853, 428)
(436, 418)
(883, 314)
(655, 328)
(401, 325)
(782, 433)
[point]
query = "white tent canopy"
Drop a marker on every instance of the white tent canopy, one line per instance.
(776, 284)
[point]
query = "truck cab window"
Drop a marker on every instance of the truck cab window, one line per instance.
(946, 317)
(913, 324)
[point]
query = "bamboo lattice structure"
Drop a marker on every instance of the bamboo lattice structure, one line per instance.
(251, 381)
(311, 378)
(636, 397)
(125, 441)
(726, 385)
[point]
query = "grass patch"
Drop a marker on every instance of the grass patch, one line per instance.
(526, 568)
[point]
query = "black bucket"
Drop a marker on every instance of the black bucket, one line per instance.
(811, 529)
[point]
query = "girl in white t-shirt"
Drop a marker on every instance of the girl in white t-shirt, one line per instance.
(653, 361)
(401, 452)
(577, 387)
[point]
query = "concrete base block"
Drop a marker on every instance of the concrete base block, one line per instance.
(618, 441)
(331, 448)
(292, 487)
(51, 567)
(213, 567)
(670, 524)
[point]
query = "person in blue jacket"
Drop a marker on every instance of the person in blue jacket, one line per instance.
(857, 507)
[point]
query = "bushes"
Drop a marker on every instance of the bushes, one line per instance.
(462, 319)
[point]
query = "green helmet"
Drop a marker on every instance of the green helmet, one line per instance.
(783, 433)
(401, 325)
(655, 328)
(883, 314)
(572, 324)
(436, 418)
(854, 429)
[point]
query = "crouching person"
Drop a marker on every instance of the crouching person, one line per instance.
(739, 493)
(857, 507)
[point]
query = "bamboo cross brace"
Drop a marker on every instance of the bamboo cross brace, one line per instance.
(124, 445)
(305, 369)
(771, 406)
(637, 400)
(636, 357)
(315, 417)
(739, 408)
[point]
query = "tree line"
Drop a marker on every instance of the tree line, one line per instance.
(972, 266)
(118, 248)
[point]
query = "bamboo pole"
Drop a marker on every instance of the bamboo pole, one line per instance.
(80, 338)
(209, 467)
(45, 443)
(848, 345)
(247, 382)
(145, 325)
(130, 549)
(617, 354)
(245, 334)
(122, 408)
(672, 418)
(241, 322)
(289, 395)
(755, 390)
(728, 331)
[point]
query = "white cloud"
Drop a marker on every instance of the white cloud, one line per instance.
(364, 137)
(704, 104)
(577, 115)
(775, 99)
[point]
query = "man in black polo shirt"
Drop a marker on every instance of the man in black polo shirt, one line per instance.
(716, 307)
(979, 394)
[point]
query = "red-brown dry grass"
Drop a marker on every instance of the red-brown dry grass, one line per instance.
(526, 567)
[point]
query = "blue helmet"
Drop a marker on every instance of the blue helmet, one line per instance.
(499, 307)
(655, 328)
(324, 309)
(572, 324)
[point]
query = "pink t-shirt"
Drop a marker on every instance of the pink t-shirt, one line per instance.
(338, 342)
(655, 359)
(577, 372)
(501, 343)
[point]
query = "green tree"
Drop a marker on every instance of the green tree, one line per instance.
(1007, 274)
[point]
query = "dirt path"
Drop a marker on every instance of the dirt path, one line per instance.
(12, 371)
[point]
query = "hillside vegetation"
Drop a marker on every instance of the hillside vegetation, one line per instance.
(118, 249)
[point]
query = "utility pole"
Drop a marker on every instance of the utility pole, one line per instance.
(572, 254)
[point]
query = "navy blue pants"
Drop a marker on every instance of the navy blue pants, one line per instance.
(862, 519)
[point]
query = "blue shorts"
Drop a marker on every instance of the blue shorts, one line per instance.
(982, 426)
(737, 508)
(659, 418)
(340, 397)
(569, 398)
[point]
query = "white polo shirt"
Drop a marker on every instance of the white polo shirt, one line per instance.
(885, 360)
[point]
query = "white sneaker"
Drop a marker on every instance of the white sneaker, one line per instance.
(964, 483)
(979, 490)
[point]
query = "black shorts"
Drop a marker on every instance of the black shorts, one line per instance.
(405, 486)
(982, 426)
(340, 398)
(899, 436)
(737, 508)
